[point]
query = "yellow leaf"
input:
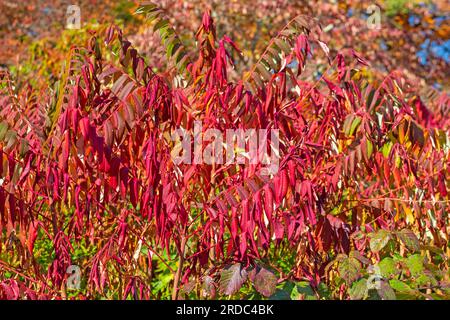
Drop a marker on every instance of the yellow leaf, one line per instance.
(409, 216)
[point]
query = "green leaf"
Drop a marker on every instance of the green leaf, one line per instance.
(415, 264)
(385, 291)
(24, 147)
(386, 149)
(145, 8)
(11, 138)
(398, 161)
(144, 250)
(379, 240)
(369, 148)
(271, 63)
(153, 14)
(347, 123)
(283, 45)
(3, 129)
(163, 23)
(388, 267)
(323, 291)
(302, 290)
(170, 45)
(400, 286)
(426, 279)
(266, 75)
(288, 32)
(280, 295)
(355, 124)
(274, 54)
(359, 289)
(257, 80)
(349, 269)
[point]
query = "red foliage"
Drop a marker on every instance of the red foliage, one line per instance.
(92, 163)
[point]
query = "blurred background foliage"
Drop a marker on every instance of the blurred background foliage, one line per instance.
(413, 38)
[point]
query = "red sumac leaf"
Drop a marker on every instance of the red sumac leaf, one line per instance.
(268, 200)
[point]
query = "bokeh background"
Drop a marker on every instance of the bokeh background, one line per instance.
(413, 36)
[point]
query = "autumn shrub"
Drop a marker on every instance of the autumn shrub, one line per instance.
(88, 177)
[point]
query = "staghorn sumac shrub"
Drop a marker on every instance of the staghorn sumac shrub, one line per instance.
(87, 176)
